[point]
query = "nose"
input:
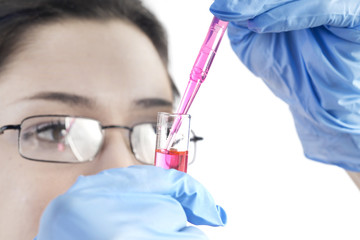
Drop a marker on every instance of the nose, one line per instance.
(115, 152)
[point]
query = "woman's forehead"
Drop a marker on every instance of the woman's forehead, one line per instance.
(106, 59)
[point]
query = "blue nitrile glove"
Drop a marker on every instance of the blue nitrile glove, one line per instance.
(308, 53)
(139, 202)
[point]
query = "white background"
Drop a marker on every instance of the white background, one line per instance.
(251, 160)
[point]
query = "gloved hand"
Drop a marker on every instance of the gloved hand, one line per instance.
(308, 53)
(139, 202)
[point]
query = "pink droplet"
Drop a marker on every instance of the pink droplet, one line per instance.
(61, 147)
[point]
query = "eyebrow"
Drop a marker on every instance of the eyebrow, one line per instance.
(153, 102)
(73, 99)
(67, 98)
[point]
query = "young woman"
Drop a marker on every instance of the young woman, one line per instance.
(99, 67)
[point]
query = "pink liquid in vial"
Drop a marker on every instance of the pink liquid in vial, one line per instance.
(171, 159)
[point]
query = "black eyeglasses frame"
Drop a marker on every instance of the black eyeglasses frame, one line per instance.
(4, 128)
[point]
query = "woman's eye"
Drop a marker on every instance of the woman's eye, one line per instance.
(53, 132)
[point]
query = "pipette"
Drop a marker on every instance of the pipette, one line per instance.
(199, 71)
(203, 63)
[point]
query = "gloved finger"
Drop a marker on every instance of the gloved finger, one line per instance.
(241, 10)
(89, 215)
(198, 204)
(303, 14)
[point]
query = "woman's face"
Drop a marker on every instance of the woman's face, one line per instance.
(108, 71)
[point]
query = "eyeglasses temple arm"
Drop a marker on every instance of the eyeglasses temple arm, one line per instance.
(9, 127)
(196, 138)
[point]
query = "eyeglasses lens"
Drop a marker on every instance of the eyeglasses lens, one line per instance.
(60, 139)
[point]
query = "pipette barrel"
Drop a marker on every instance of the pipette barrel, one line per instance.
(203, 63)
(208, 50)
(199, 71)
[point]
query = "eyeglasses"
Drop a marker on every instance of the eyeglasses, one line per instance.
(69, 139)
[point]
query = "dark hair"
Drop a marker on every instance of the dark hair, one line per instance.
(17, 16)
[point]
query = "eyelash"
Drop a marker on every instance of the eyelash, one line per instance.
(42, 128)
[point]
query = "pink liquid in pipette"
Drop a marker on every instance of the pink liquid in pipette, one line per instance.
(199, 72)
(171, 159)
(203, 63)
